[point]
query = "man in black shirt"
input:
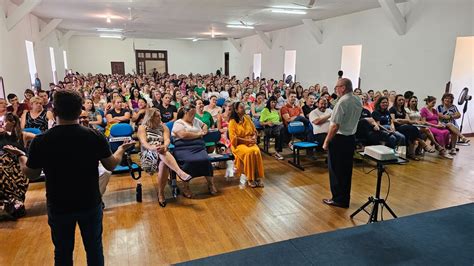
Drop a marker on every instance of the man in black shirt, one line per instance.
(69, 155)
(309, 105)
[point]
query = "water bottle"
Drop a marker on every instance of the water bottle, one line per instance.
(243, 181)
(139, 192)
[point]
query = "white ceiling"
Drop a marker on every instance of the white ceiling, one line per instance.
(176, 19)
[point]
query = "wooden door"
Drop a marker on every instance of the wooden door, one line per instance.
(118, 68)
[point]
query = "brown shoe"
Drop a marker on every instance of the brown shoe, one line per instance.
(331, 202)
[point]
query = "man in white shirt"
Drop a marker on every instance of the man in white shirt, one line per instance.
(319, 117)
(340, 142)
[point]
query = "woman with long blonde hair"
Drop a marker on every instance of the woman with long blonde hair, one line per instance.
(154, 138)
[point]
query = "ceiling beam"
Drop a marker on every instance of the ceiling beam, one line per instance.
(395, 15)
(20, 12)
(52, 25)
(264, 38)
(314, 29)
(66, 37)
(237, 44)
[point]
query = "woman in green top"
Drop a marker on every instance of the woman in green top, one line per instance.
(199, 89)
(202, 115)
(177, 97)
(270, 119)
(258, 106)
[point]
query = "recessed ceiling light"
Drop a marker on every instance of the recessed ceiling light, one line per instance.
(111, 36)
(284, 11)
(109, 30)
(240, 26)
(109, 20)
(195, 40)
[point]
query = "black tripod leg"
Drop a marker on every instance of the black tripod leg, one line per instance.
(361, 208)
(389, 210)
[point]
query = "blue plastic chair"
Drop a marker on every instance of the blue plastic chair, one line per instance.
(170, 125)
(32, 130)
(220, 102)
(297, 128)
(126, 130)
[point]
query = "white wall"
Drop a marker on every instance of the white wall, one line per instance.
(463, 77)
(93, 54)
(13, 60)
(421, 60)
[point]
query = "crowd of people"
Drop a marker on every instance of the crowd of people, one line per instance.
(241, 110)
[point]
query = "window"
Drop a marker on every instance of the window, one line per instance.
(350, 63)
(30, 54)
(257, 65)
(65, 60)
(290, 65)
(462, 76)
(53, 65)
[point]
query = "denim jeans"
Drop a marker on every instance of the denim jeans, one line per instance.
(63, 227)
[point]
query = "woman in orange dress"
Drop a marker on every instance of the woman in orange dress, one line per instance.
(243, 138)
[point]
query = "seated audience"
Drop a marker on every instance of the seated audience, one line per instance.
(154, 139)
(38, 117)
(212, 107)
(47, 104)
(133, 100)
(309, 105)
(291, 112)
(3, 110)
(15, 106)
(13, 183)
(258, 106)
(320, 119)
(28, 94)
(430, 116)
(94, 116)
(384, 120)
(273, 126)
(156, 102)
(414, 115)
(117, 114)
(365, 102)
(404, 125)
(167, 110)
(177, 97)
(243, 138)
(202, 115)
(139, 113)
(448, 113)
(190, 149)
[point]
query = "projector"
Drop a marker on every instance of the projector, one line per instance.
(381, 153)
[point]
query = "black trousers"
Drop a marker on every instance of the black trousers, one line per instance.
(340, 155)
(276, 131)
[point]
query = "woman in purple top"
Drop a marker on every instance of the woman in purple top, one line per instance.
(430, 116)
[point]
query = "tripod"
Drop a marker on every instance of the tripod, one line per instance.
(376, 201)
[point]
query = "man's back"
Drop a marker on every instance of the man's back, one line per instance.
(69, 156)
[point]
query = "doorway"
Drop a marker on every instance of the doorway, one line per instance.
(226, 64)
(148, 60)
(118, 68)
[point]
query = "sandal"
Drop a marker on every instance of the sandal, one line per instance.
(252, 184)
(187, 192)
(212, 189)
(184, 176)
(260, 183)
(429, 149)
(278, 156)
(413, 157)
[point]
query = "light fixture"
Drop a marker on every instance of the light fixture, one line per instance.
(108, 19)
(239, 26)
(286, 11)
(109, 30)
(111, 36)
(212, 33)
(195, 39)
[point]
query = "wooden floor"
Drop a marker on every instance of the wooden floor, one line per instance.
(289, 206)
